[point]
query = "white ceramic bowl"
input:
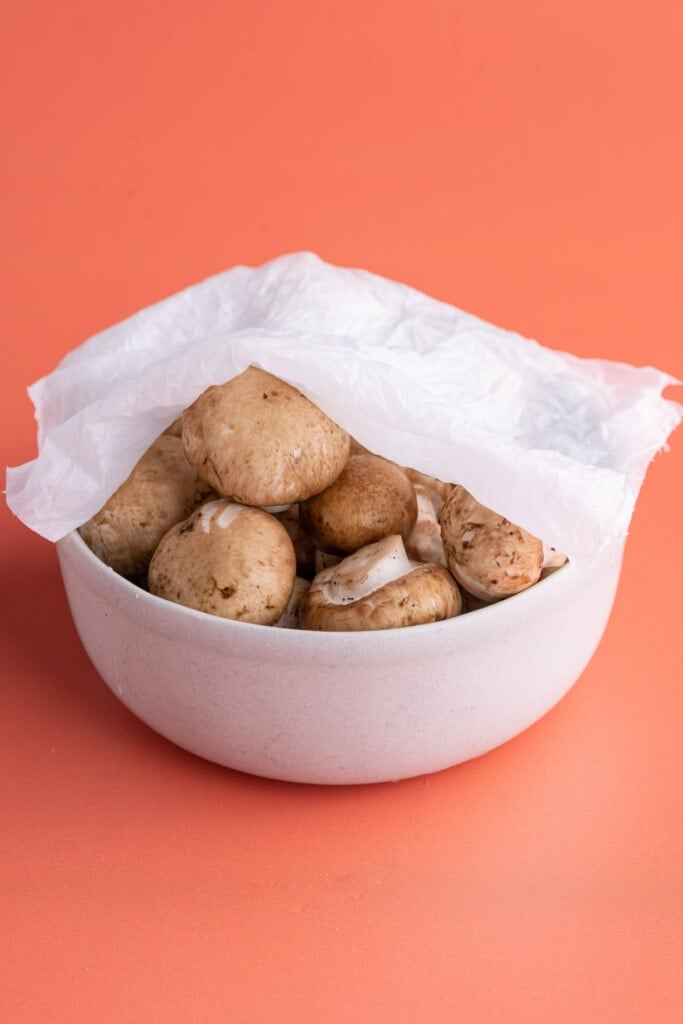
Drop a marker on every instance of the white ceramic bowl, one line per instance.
(339, 707)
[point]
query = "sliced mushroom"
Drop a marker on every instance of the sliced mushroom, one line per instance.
(488, 555)
(227, 560)
(370, 499)
(259, 441)
(378, 587)
(161, 490)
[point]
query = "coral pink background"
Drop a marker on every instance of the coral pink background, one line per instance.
(522, 161)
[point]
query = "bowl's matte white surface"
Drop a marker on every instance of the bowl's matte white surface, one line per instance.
(339, 707)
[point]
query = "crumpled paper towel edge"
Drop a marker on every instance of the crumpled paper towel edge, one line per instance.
(19, 477)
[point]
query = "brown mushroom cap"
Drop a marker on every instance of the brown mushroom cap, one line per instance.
(379, 588)
(488, 555)
(370, 499)
(227, 560)
(259, 441)
(161, 490)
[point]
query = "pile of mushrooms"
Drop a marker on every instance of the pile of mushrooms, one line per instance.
(257, 507)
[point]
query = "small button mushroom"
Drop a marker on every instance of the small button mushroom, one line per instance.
(227, 560)
(259, 441)
(370, 499)
(488, 555)
(161, 490)
(424, 542)
(378, 587)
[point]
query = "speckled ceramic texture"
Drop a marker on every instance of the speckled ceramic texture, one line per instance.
(339, 707)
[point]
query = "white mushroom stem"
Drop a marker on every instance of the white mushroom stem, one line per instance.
(290, 616)
(276, 509)
(365, 571)
(552, 558)
(474, 586)
(424, 542)
(426, 512)
(223, 513)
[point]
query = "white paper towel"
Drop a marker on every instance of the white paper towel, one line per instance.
(558, 444)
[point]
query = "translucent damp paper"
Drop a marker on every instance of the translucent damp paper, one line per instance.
(557, 444)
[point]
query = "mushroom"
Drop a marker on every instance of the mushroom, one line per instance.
(424, 542)
(378, 587)
(437, 489)
(259, 441)
(552, 559)
(290, 616)
(227, 560)
(370, 499)
(488, 555)
(161, 490)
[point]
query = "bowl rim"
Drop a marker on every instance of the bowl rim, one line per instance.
(562, 582)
